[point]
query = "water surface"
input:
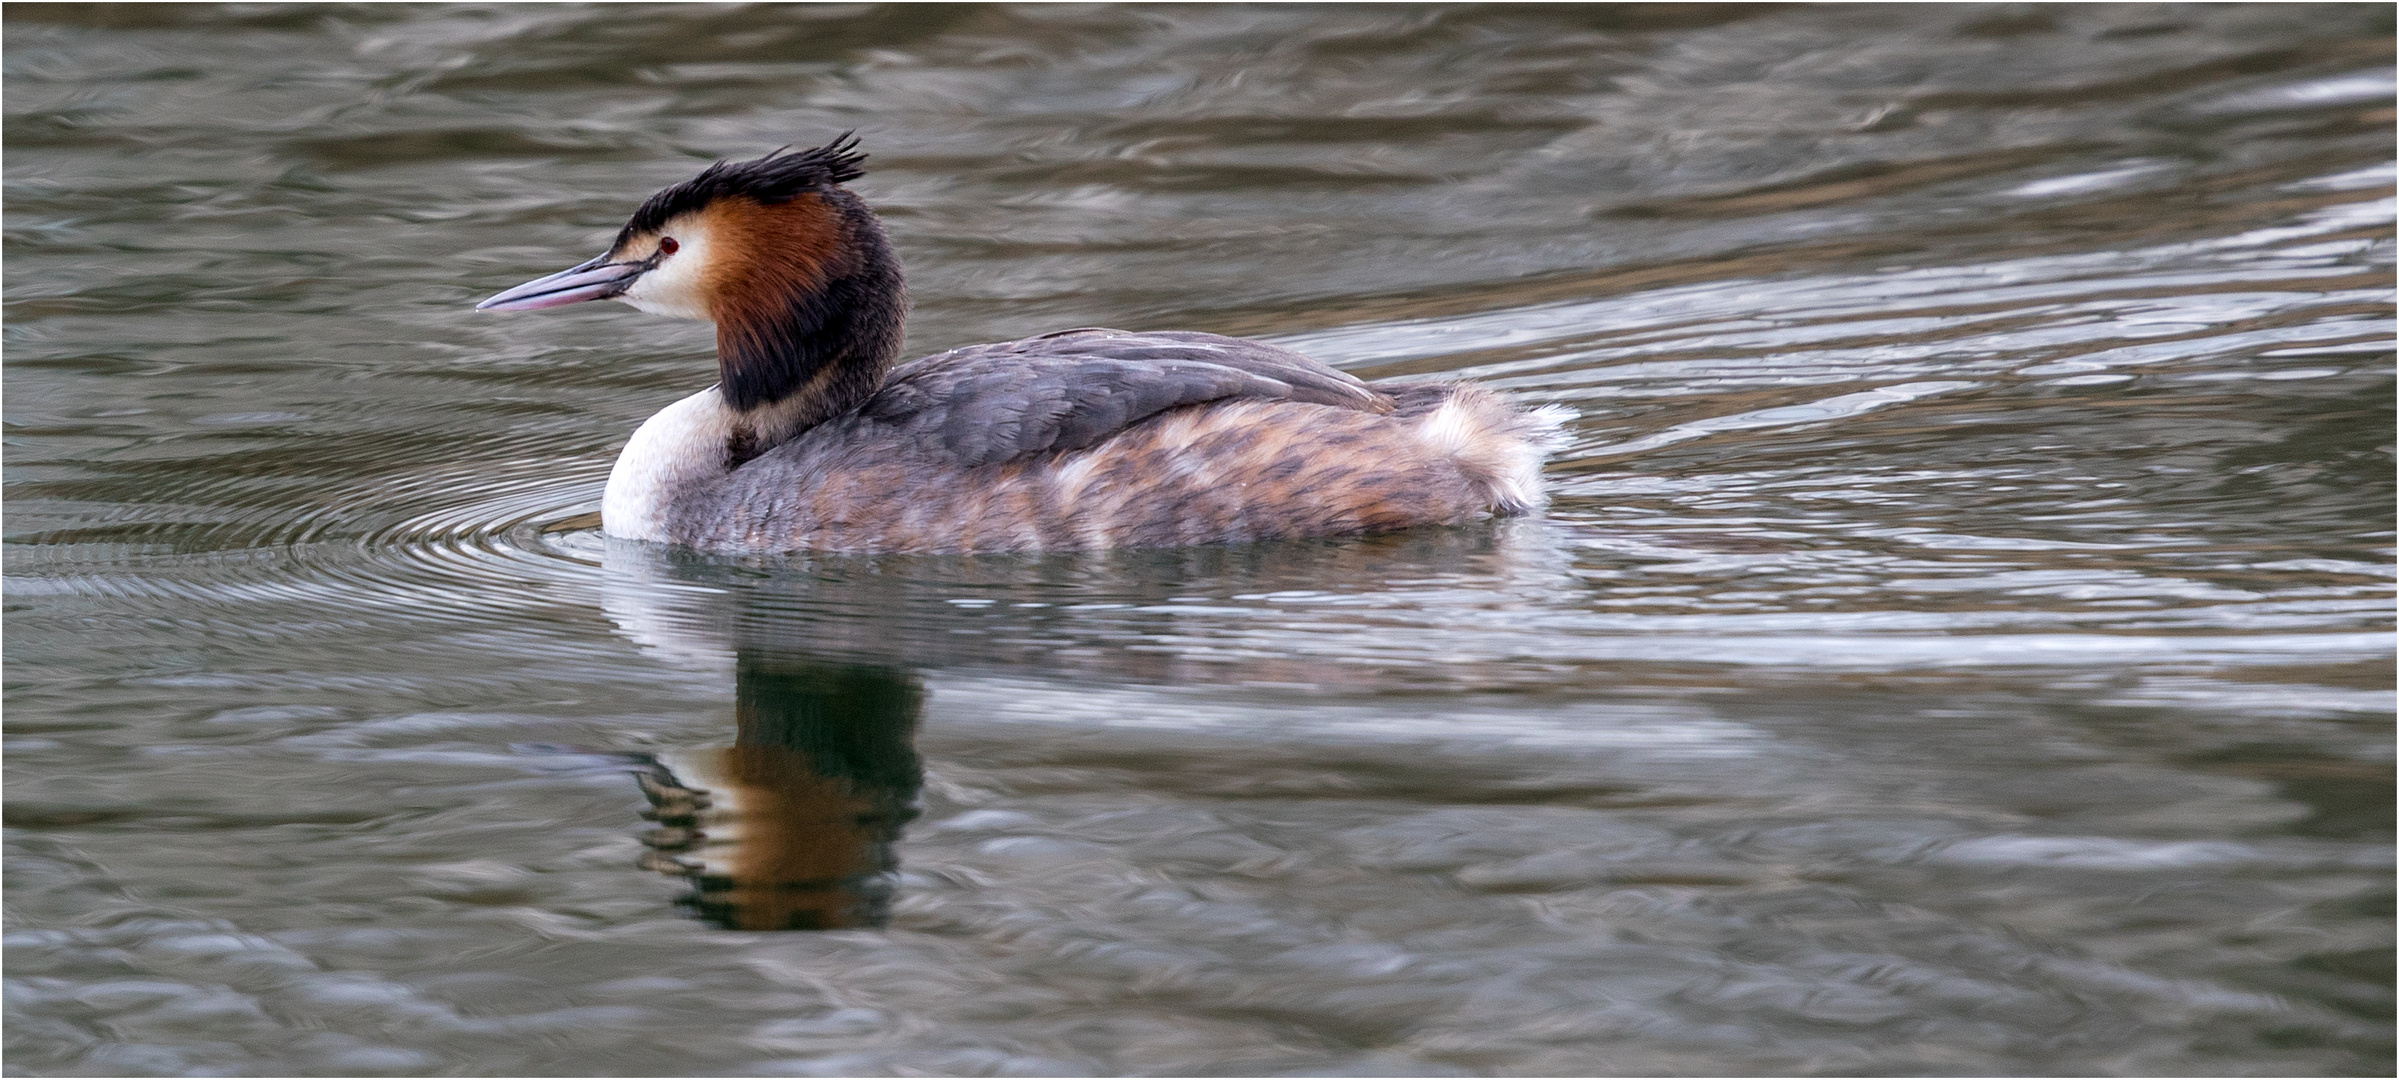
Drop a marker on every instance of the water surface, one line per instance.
(1960, 643)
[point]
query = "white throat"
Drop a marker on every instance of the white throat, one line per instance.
(680, 448)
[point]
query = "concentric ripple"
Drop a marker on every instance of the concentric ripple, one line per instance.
(492, 555)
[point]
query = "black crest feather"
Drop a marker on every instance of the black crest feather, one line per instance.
(778, 177)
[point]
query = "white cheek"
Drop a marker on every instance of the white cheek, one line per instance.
(674, 289)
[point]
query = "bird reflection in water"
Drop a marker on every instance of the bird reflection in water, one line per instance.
(793, 827)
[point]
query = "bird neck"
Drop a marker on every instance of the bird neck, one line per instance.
(816, 336)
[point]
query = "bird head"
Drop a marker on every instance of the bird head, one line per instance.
(740, 242)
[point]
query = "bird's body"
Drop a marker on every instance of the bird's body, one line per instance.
(1086, 438)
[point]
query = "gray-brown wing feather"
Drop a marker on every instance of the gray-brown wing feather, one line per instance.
(986, 404)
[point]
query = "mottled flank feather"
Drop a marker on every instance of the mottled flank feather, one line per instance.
(1100, 439)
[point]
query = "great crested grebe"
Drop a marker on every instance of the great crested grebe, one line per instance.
(812, 440)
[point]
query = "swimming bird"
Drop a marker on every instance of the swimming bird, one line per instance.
(812, 439)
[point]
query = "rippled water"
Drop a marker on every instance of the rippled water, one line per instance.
(1960, 643)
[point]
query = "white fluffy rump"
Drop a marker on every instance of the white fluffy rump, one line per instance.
(1495, 444)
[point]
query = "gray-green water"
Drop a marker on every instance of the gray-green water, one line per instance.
(1960, 643)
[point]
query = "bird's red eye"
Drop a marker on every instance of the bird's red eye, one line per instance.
(667, 246)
